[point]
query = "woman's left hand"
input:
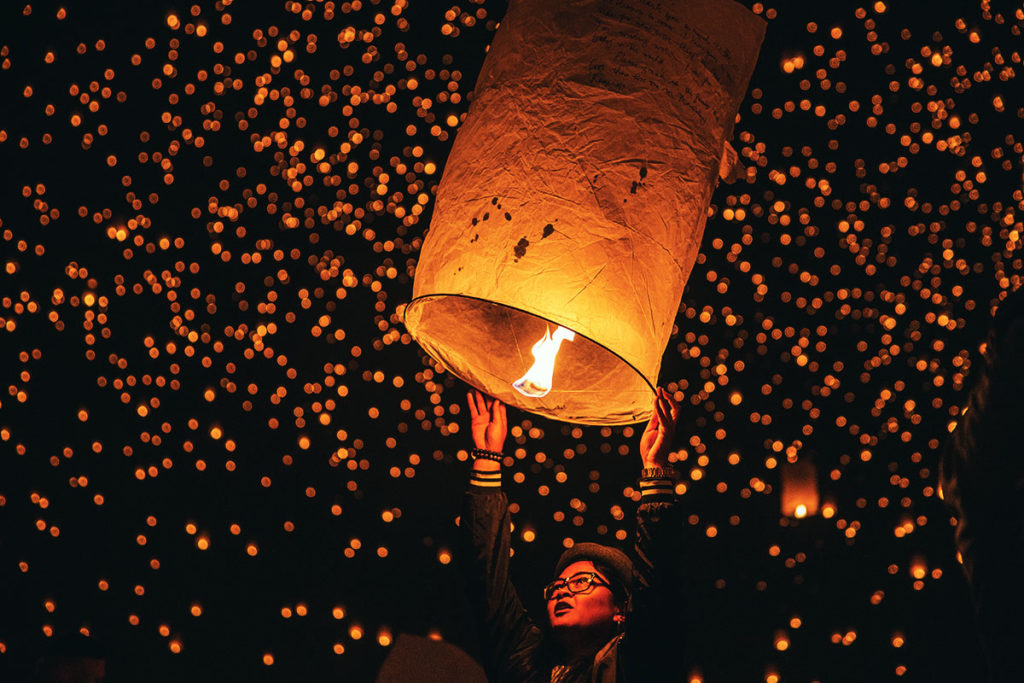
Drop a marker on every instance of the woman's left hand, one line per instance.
(656, 441)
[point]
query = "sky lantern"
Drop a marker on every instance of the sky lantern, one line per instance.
(574, 200)
(799, 489)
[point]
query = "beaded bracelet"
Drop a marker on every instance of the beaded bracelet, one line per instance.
(487, 455)
(667, 472)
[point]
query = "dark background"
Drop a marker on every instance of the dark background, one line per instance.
(878, 286)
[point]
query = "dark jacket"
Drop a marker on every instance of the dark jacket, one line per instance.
(982, 479)
(649, 649)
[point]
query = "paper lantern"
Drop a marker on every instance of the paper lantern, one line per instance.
(799, 489)
(576, 194)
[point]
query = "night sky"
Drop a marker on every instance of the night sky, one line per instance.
(222, 457)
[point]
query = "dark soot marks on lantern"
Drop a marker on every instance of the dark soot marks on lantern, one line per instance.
(548, 229)
(637, 184)
(520, 249)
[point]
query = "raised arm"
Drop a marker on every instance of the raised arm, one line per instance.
(509, 638)
(655, 627)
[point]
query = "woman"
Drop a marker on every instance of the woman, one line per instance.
(608, 619)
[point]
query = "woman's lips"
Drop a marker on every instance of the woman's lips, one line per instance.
(562, 607)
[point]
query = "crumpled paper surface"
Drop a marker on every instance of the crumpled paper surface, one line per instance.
(576, 193)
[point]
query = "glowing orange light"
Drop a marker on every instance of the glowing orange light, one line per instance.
(537, 380)
(800, 497)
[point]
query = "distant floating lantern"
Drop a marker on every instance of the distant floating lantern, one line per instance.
(799, 489)
(575, 198)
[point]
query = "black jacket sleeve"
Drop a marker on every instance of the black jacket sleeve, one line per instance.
(651, 649)
(509, 638)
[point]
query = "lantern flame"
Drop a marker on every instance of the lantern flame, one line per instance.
(537, 380)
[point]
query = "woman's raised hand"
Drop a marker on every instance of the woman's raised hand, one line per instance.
(488, 422)
(656, 441)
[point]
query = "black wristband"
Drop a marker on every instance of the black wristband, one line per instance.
(487, 455)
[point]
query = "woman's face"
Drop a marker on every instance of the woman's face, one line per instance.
(594, 607)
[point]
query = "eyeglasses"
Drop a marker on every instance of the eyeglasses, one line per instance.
(577, 583)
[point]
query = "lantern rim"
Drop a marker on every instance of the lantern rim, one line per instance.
(631, 366)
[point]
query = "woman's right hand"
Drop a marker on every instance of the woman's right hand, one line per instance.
(488, 425)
